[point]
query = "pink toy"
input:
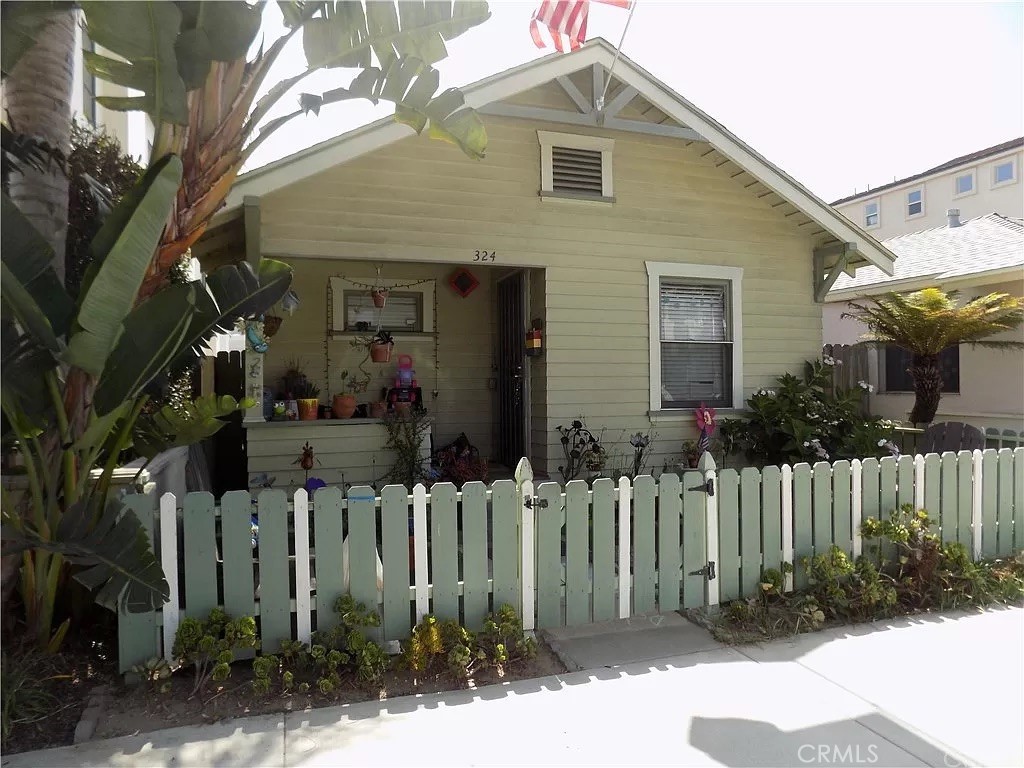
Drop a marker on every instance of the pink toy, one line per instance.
(406, 376)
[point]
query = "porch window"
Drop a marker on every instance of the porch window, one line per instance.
(696, 343)
(403, 311)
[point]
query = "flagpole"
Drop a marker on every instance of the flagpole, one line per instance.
(608, 80)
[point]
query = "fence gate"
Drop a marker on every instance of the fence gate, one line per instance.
(619, 550)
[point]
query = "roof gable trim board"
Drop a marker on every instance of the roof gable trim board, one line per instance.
(503, 85)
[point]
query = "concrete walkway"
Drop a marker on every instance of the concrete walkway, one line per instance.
(939, 691)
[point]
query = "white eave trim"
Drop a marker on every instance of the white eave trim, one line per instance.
(503, 85)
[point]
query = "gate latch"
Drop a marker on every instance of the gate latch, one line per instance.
(535, 502)
(708, 487)
(708, 571)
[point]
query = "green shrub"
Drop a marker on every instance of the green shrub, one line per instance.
(806, 419)
(345, 647)
(155, 671)
(23, 688)
(209, 646)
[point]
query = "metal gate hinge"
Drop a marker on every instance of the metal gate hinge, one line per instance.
(535, 502)
(708, 571)
(708, 487)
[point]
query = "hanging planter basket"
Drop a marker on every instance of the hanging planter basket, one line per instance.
(271, 325)
(380, 353)
(380, 297)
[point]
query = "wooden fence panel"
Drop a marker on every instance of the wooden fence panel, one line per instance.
(444, 551)
(604, 550)
(695, 555)
(394, 533)
(750, 531)
(771, 517)
(949, 499)
(842, 523)
(803, 540)
(362, 550)
(275, 582)
(328, 537)
(670, 524)
(200, 555)
(989, 503)
(822, 515)
(644, 600)
(549, 557)
(1018, 499)
(1004, 521)
(964, 497)
(577, 553)
(728, 534)
(475, 591)
(237, 553)
(138, 637)
(505, 543)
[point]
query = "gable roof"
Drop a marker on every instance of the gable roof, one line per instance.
(832, 226)
(967, 159)
(986, 245)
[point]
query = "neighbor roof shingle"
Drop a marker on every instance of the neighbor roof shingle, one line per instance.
(978, 245)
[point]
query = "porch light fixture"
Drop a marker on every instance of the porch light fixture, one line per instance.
(463, 282)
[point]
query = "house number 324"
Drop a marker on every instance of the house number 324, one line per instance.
(484, 255)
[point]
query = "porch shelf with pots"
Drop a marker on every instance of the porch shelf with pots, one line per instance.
(347, 451)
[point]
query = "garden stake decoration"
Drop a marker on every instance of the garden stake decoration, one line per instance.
(706, 424)
(306, 459)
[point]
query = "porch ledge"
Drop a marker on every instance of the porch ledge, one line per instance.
(313, 423)
(680, 415)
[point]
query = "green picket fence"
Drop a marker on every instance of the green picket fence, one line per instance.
(563, 557)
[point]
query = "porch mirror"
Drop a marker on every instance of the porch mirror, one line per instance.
(409, 307)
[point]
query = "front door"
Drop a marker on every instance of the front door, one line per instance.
(512, 384)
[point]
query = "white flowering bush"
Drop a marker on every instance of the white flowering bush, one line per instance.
(807, 419)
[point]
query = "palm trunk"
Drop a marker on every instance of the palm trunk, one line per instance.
(927, 388)
(38, 96)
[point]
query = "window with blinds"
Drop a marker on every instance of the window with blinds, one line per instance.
(696, 344)
(402, 311)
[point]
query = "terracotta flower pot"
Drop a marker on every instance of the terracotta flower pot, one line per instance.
(344, 406)
(378, 410)
(307, 408)
(380, 297)
(380, 353)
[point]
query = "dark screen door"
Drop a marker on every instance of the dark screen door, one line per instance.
(511, 360)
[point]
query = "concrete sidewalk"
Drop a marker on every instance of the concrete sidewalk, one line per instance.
(940, 691)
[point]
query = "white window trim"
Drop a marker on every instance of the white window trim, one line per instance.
(549, 139)
(1013, 166)
(878, 213)
(731, 275)
(973, 173)
(906, 203)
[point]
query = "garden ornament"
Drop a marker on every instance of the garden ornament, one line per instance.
(706, 425)
(290, 301)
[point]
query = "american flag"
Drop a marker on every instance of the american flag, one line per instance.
(568, 19)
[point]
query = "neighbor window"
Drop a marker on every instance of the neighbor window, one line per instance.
(963, 185)
(1004, 173)
(915, 202)
(897, 370)
(576, 167)
(871, 214)
(696, 342)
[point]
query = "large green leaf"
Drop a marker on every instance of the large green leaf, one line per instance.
(411, 86)
(132, 232)
(120, 562)
(189, 423)
(213, 31)
(233, 292)
(153, 335)
(20, 25)
(30, 260)
(143, 34)
(345, 35)
(25, 362)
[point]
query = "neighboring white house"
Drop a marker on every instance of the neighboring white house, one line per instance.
(978, 183)
(983, 387)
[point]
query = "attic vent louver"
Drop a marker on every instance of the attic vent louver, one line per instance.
(576, 170)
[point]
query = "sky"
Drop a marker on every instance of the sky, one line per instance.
(839, 95)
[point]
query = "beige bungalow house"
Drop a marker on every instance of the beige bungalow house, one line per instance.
(665, 261)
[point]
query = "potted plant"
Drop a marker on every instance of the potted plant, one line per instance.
(307, 395)
(380, 297)
(381, 346)
(344, 405)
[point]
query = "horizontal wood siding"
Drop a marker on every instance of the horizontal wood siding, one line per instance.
(421, 200)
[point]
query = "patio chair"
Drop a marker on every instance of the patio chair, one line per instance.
(951, 436)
